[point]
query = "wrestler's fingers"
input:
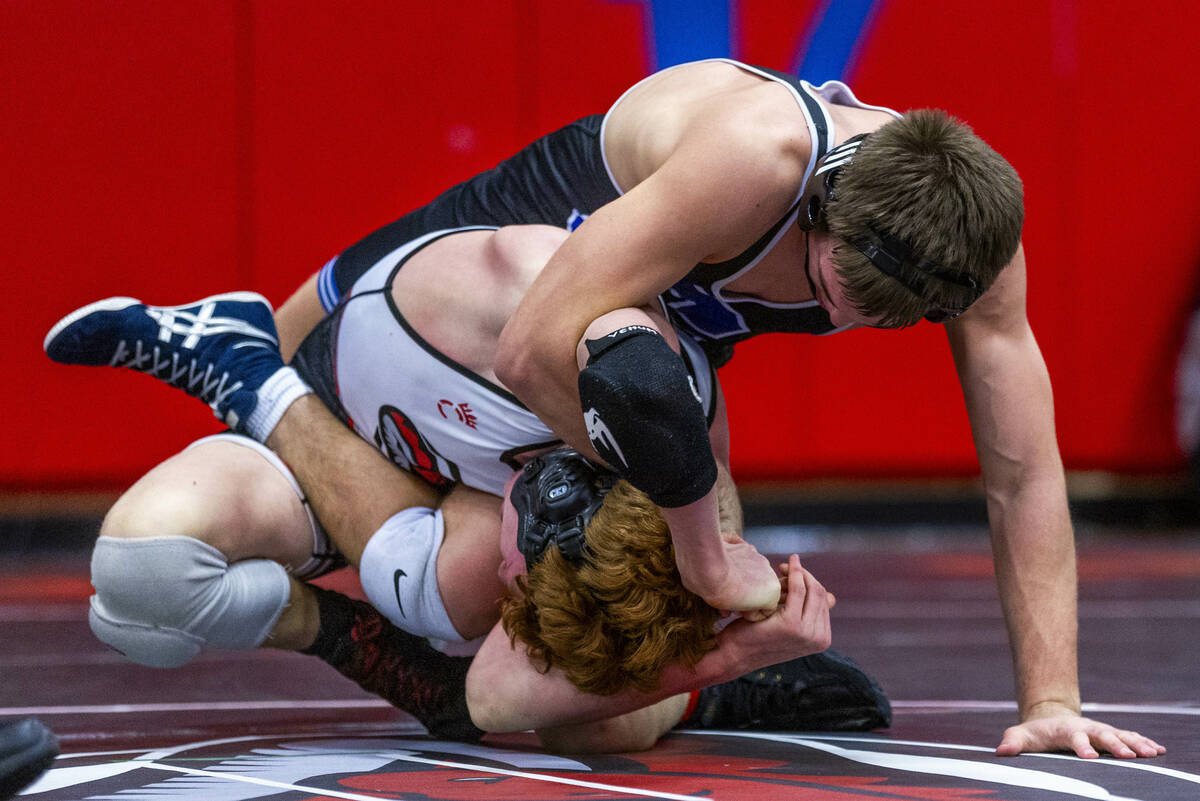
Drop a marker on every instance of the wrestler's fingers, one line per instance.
(815, 592)
(1112, 743)
(815, 598)
(1081, 744)
(1012, 743)
(1144, 746)
(785, 568)
(816, 603)
(797, 587)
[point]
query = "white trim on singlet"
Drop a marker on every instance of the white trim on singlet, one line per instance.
(825, 93)
(813, 135)
(372, 331)
(839, 94)
(829, 92)
(380, 270)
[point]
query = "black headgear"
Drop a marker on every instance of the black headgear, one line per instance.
(888, 253)
(556, 495)
(820, 187)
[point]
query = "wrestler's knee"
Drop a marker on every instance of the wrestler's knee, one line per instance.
(222, 493)
(153, 507)
(162, 600)
(192, 493)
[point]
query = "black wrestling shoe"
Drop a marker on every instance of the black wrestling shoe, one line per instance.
(821, 692)
(27, 748)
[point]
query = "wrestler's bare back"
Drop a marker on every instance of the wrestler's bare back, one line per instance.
(460, 290)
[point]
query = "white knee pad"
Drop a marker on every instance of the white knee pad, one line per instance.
(160, 601)
(399, 573)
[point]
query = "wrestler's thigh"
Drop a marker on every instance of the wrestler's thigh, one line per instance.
(222, 493)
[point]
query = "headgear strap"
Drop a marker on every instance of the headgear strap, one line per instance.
(889, 254)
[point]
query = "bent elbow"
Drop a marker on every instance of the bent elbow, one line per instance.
(479, 706)
(485, 704)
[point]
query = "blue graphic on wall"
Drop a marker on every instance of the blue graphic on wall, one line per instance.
(687, 30)
(837, 33)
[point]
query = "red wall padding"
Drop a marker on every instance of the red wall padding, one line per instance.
(170, 150)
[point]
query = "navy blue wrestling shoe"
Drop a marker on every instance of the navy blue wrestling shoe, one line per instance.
(821, 692)
(221, 349)
(27, 748)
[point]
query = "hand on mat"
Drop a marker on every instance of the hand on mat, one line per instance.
(799, 627)
(1060, 729)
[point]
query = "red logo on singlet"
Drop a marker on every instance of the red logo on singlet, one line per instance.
(401, 442)
(461, 410)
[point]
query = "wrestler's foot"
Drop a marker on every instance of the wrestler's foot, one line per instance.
(821, 692)
(26, 749)
(223, 350)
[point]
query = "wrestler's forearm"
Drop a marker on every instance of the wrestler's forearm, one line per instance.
(352, 489)
(696, 537)
(1034, 551)
(505, 692)
(1011, 407)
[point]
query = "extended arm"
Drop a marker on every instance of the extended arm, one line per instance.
(1008, 396)
(506, 692)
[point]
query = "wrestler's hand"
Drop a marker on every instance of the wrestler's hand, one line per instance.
(798, 628)
(743, 581)
(786, 567)
(1054, 727)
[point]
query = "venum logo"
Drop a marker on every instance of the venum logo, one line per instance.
(602, 438)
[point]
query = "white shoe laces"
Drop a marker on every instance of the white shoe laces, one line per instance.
(200, 383)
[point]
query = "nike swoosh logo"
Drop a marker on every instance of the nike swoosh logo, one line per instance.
(396, 580)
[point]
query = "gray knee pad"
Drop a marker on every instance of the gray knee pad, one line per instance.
(160, 601)
(399, 573)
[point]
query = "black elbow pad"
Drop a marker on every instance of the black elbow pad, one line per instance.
(645, 418)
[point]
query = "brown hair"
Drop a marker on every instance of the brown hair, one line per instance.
(617, 621)
(928, 180)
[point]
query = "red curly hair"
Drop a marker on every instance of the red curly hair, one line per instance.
(617, 621)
